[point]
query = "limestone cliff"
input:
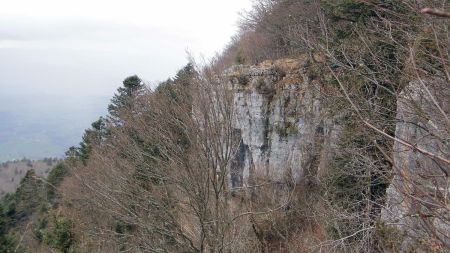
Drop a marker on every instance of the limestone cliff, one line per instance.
(286, 133)
(417, 195)
(280, 120)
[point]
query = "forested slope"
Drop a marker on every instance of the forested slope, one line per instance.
(322, 127)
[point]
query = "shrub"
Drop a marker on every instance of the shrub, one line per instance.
(39, 230)
(54, 178)
(61, 236)
(8, 243)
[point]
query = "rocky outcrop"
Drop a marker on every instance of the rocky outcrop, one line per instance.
(417, 199)
(286, 133)
(279, 118)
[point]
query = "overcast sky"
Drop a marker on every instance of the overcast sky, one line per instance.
(87, 47)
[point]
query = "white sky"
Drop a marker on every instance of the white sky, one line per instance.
(87, 47)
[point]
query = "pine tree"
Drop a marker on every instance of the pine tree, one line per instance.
(95, 135)
(122, 100)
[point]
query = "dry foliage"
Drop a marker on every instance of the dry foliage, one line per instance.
(161, 181)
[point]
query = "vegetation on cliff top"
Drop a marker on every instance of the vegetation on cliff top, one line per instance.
(153, 175)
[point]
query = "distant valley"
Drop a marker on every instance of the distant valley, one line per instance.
(45, 126)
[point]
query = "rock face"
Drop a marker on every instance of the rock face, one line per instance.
(286, 134)
(417, 199)
(279, 119)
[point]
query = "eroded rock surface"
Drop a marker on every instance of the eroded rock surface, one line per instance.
(416, 199)
(279, 118)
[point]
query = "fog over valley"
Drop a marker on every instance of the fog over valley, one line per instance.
(208, 126)
(61, 62)
(38, 126)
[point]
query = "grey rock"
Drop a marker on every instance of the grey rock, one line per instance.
(279, 117)
(417, 196)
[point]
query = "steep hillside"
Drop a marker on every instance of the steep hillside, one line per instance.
(323, 127)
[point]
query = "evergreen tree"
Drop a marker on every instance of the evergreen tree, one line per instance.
(185, 75)
(5, 242)
(173, 87)
(72, 153)
(99, 131)
(122, 100)
(96, 134)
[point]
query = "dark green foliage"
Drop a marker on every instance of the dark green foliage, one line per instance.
(9, 204)
(121, 230)
(16, 208)
(60, 236)
(185, 75)
(174, 87)
(169, 88)
(239, 58)
(85, 146)
(57, 174)
(72, 153)
(29, 196)
(369, 61)
(39, 230)
(31, 200)
(172, 91)
(122, 100)
(346, 16)
(356, 181)
(7, 241)
(348, 10)
(100, 129)
(55, 177)
(2, 220)
(95, 135)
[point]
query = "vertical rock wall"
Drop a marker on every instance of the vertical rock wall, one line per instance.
(279, 118)
(285, 134)
(416, 199)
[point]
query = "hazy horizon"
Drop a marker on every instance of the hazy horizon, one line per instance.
(88, 47)
(47, 127)
(65, 57)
